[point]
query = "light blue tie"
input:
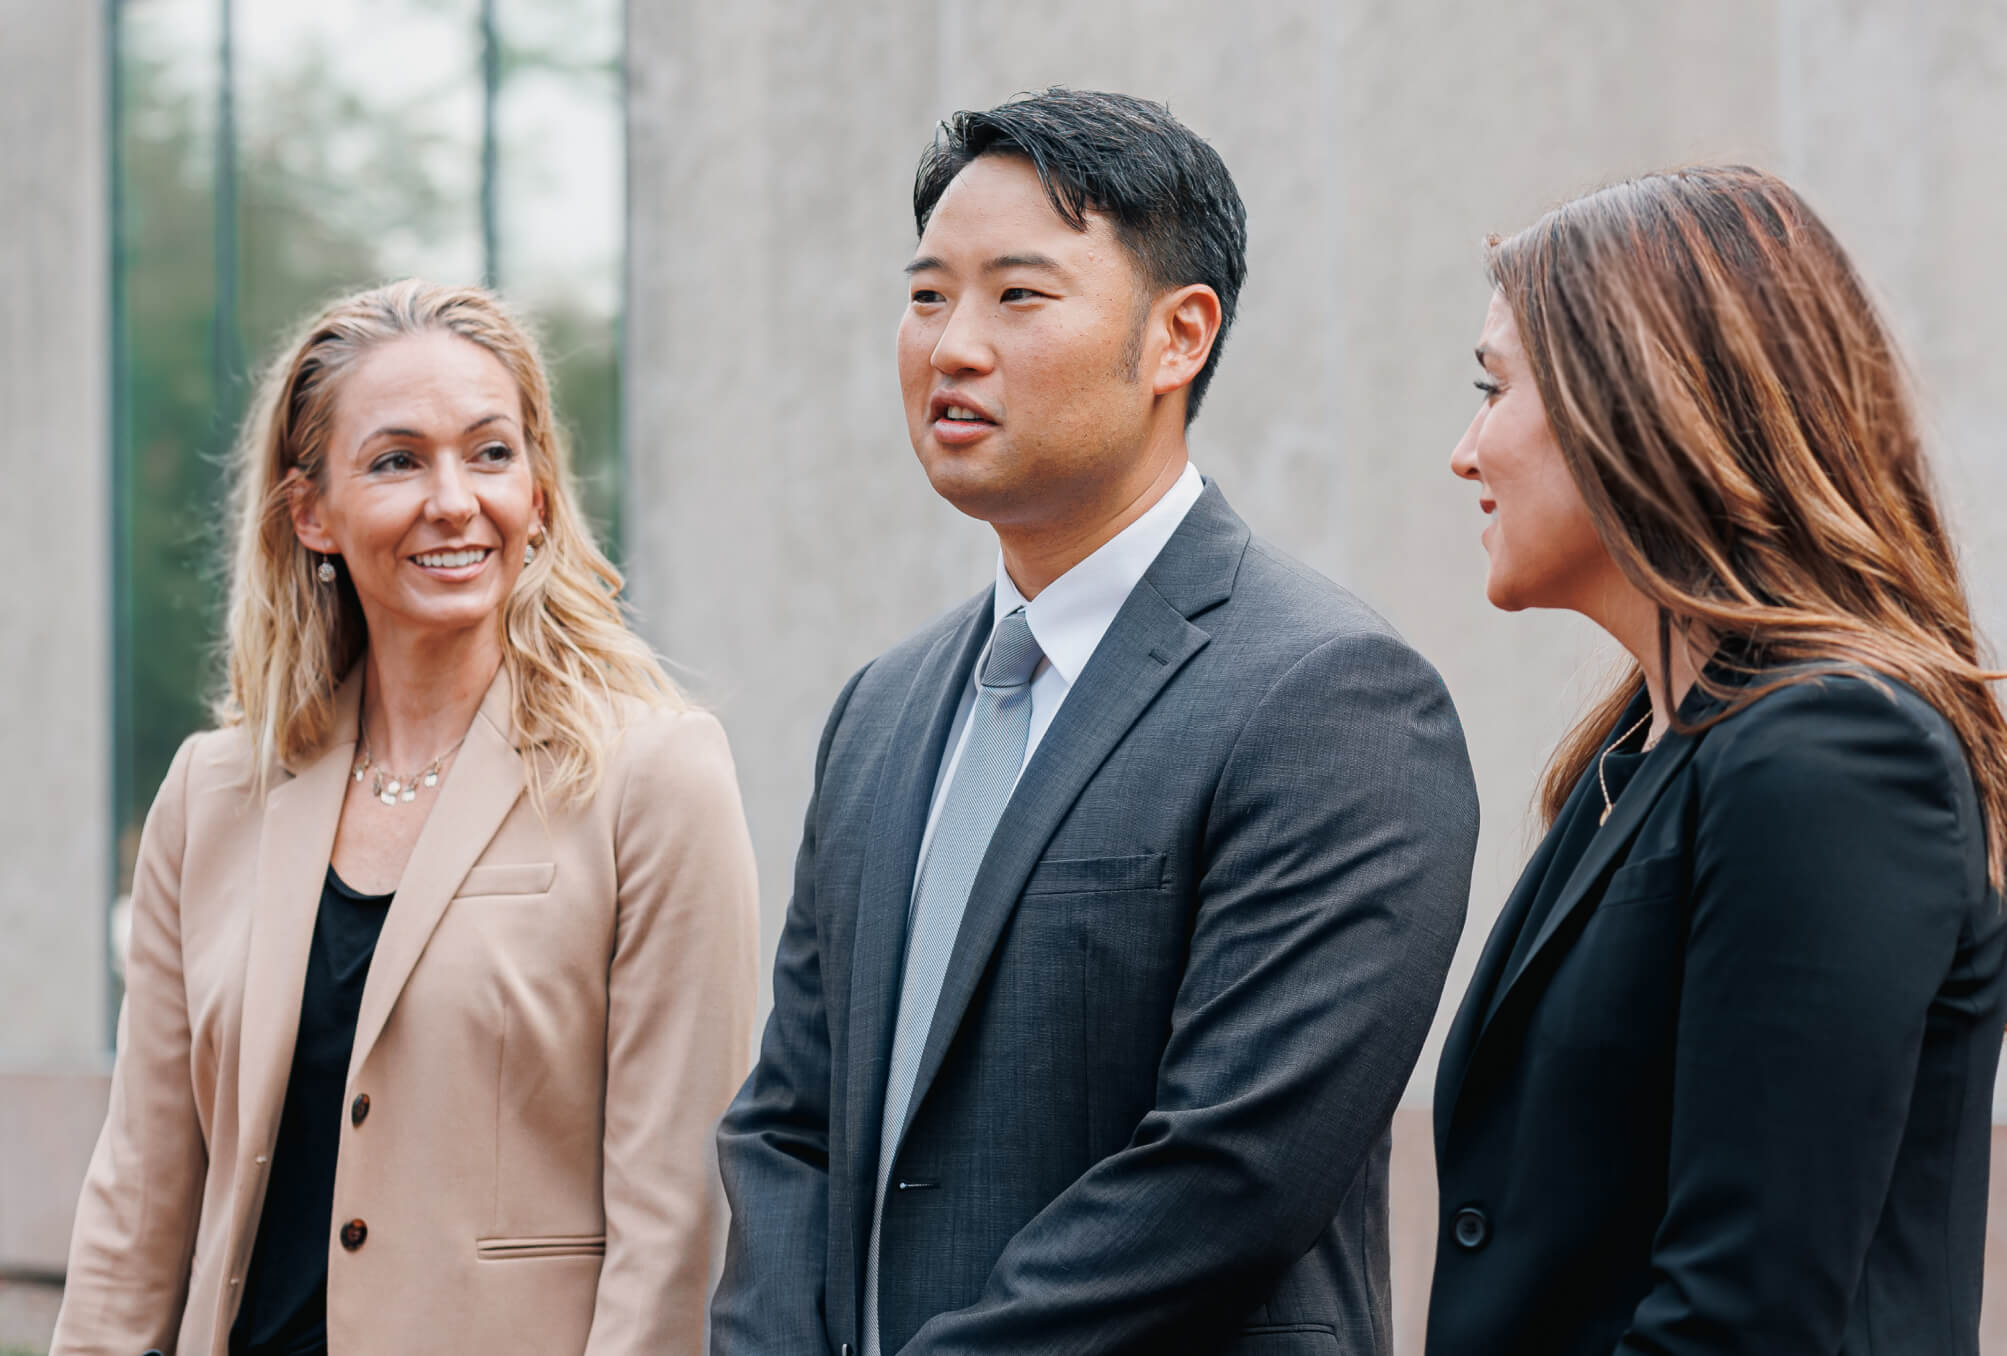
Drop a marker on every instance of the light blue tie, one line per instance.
(999, 726)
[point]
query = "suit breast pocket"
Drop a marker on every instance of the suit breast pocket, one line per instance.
(1096, 875)
(1618, 986)
(507, 878)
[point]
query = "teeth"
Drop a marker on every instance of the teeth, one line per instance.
(961, 412)
(448, 560)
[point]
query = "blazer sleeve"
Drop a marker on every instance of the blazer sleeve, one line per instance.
(681, 991)
(134, 1236)
(1834, 865)
(773, 1146)
(1337, 869)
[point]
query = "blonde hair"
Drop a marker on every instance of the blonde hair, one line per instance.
(1737, 418)
(566, 646)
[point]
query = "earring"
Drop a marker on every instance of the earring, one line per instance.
(325, 573)
(529, 554)
(530, 551)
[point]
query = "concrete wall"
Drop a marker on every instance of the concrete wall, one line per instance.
(781, 533)
(55, 543)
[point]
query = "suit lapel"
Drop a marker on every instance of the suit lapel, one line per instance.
(295, 841)
(476, 795)
(1584, 887)
(1585, 882)
(1146, 645)
(1476, 1008)
(904, 795)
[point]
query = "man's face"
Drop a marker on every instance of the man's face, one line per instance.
(1019, 352)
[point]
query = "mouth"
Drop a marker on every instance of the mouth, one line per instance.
(956, 419)
(459, 563)
(1487, 506)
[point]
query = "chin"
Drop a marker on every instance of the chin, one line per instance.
(971, 488)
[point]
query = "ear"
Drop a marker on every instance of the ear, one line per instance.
(305, 507)
(1189, 322)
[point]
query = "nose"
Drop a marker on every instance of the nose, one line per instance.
(452, 499)
(1463, 458)
(963, 346)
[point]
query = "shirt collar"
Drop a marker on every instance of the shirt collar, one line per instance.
(1073, 612)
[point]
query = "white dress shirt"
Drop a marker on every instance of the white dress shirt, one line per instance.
(1068, 619)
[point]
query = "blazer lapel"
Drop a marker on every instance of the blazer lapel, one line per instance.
(1476, 1008)
(295, 841)
(1585, 882)
(475, 796)
(904, 795)
(1150, 639)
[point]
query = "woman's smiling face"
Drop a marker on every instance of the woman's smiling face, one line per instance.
(426, 492)
(1543, 545)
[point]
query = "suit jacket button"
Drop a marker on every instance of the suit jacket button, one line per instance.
(1471, 1228)
(352, 1234)
(358, 1109)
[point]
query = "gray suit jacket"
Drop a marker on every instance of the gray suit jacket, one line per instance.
(1195, 971)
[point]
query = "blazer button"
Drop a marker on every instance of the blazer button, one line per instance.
(358, 1109)
(1471, 1228)
(353, 1233)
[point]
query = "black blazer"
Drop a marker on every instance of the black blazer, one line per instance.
(1194, 973)
(1737, 1096)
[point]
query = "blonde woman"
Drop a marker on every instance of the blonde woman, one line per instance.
(442, 959)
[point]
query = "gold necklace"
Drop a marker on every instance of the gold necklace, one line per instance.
(1608, 804)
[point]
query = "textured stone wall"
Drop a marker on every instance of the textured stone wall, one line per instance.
(55, 538)
(55, 572)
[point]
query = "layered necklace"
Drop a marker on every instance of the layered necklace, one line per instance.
(394, 788)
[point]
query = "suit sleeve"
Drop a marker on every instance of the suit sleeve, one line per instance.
(134, 1235)
(1833, 868)
(773, 1145)
(681, 991)
(1336, 873)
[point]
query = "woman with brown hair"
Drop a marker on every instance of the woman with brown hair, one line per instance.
(1723, 1078)
(442, 962)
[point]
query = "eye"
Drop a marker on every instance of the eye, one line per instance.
(398, 459)
(1492, 390)
(927, 296)
(1020, 294)
(496, 454)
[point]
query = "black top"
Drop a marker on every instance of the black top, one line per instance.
(285, 1293)
(1723, 1080)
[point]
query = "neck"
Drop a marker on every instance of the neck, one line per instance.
(421, 693)
(1036, 554)
(1634, 620)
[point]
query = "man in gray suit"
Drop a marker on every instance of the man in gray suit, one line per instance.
(1128, 888)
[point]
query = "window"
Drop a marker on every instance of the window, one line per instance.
(267, 157)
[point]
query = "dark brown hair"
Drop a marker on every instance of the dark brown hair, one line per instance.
(1736, 416)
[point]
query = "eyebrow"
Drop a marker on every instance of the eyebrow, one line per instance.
(395, 431)
(996, 265)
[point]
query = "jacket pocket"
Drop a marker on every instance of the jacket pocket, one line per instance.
(1646, 881)
(557, 1245)
(1281, 1339)
(1096, 875)
(528, 878)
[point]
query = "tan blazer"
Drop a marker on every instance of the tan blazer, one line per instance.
(556, 1015)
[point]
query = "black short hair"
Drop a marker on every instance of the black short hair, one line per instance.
(1166, 192)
